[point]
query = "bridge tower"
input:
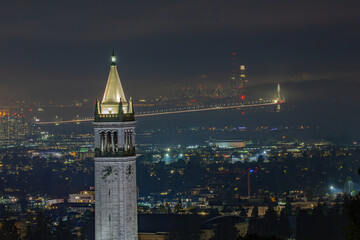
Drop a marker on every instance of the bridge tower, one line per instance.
(115, 168)
(200, 92)
(278, 98)
(219, 92)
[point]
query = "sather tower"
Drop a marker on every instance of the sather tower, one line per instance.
(115, 169)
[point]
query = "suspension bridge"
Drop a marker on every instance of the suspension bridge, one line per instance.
(277, 101)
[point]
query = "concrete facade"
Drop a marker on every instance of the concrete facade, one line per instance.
(115, 191)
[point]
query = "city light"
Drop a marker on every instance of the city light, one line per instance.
(209, 147)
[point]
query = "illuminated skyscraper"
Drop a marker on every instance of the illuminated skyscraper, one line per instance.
(115, 168)
(16, 127)
(4, 112)
(238, 77)
(243, 79)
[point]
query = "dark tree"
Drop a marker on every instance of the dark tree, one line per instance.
(185, 230)
(243, 213)
(178, 208)
(9, 231)
(225, 230)
(270, 226)
(2, 211)
(42, 229)
(88, 229)
(63, 231)
(317, 225)
(257, 237)
(255, 212)
(288, 209)
(352, 210)
(302, 225)
(336, 222)
(254, 226)
(284, 226)
(23, 203)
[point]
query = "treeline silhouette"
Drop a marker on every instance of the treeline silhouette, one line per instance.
(341, 221)
(41, 227)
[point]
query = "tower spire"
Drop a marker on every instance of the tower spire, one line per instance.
(113, 58)
(114, 92)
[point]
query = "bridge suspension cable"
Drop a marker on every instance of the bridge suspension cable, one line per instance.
(184, 110)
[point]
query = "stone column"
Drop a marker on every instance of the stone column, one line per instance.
(116, 141)
(106, 147)
(120, 139)
(125, 140)
(112, 142)
(100, 141)
(130, 139)
(108, 139)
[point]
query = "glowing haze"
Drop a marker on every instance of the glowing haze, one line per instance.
(50, 51)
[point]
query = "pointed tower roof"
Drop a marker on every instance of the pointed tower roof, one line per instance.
(114, 92)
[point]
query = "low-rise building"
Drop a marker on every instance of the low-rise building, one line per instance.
(82, 197)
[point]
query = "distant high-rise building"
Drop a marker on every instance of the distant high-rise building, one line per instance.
(238, 76)
(4, 112)
(243, 79)
(115, 168)
(13, 128)
(16, 127)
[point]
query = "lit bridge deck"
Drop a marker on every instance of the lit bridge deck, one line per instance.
(188, 109)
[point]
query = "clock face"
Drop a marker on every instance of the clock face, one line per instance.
(109, 174)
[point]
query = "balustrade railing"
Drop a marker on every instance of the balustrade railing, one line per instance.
(114, 117)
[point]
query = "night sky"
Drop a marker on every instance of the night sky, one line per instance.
(61, 51)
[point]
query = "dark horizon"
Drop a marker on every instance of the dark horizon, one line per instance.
(50, 52)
